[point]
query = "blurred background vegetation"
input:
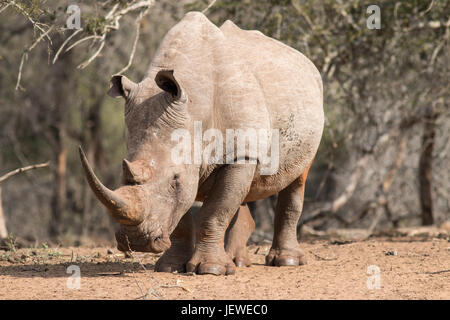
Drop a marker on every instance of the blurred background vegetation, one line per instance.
(384, 160)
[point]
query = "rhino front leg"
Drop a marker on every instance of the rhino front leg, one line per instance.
(231, 186)
(182, 247)
(285, 250)
(237, 235)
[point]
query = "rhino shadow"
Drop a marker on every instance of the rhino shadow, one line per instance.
(87, 269)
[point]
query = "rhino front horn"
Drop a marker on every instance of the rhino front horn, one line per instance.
(119, 207)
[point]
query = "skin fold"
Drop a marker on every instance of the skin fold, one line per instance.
(223, 78)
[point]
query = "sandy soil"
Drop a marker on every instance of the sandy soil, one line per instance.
(409, 269)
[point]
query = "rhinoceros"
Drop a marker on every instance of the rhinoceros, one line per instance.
(221, 78)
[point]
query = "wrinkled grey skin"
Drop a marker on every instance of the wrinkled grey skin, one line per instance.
(227, 78)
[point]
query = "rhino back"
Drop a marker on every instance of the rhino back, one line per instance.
(287, 78)
(292, 91)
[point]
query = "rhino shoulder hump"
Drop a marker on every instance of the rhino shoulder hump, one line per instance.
(231, 26)
(195, 15)
(198, 18)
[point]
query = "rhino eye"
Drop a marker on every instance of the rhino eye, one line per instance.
(175, 183)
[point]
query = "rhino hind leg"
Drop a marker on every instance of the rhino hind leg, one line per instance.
(239, 231)
(285, 249)
(182, 247)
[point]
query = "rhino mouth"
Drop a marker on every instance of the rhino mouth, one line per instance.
(160, 244)
(155, 243)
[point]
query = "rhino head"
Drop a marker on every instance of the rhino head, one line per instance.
(155, 192)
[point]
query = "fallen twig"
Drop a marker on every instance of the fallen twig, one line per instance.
(106, 274)
(153, 290)
(437, 272)
(322, 258)
(178, 285)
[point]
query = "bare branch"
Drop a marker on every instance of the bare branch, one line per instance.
(82, 40)
(64, 44)
(88, 61)
(209, 6)
(114, 17)
(5, 7)
(14, 172)
(25, 54)
(136, 39)
(111, 19)
(35, 24)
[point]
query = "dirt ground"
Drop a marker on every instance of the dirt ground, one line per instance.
(409, 268)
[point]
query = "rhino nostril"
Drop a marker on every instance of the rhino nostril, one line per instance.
(158, 238)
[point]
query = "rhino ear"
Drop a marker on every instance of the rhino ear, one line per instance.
(121, 86)
(167, 82)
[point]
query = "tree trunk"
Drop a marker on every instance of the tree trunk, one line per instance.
(425, 167)
(63, 91)
(3, 230)
(91, 139)
(58, 202)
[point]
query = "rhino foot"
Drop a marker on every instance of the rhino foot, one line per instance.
(240, 257)
(182, 248)
(207, 263)
(283, 257)
(173, 260)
